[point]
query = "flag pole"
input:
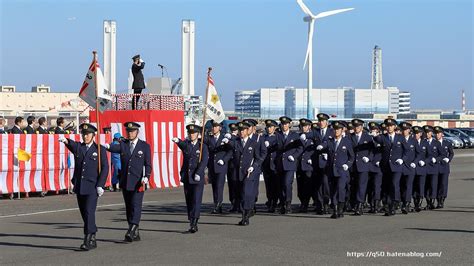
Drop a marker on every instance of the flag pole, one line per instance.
(97, 107)
(204, 113)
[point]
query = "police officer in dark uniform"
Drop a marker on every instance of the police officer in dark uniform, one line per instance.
(18, 127)
(219, 155)
(135, 156)
(409, 167)
(322, 135)
(362, 144)
(270, 176)
(375, 172)
(263, 154)
(446, 154)
(393, 152)
(138, 79)
(248, 162)
(304, 172)
(29, 128)
(192, 173)
(88, 179)
(232, 179)
(432, 167)
(340, 157)
(289, 150)
(420, 170)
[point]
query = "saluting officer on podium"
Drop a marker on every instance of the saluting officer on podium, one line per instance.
(136, 170)
(88, 180)
(192, 173)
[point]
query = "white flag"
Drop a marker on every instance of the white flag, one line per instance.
(130, 81)
(88, 89)
(213, 104)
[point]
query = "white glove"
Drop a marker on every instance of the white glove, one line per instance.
(145, 180)
(433, 160)
(446, 160)
(267, 143)
(325, 156)
(197, 178)
(62, 139)
(399, 161)
(141, 60)
(413, 165)
(100, 191)
(377, 164)
(175, 140)
(227, 136)
(365, 159)
(220, 162)
(291, 158)
(345, 167)
(319, 147)
(225, 140)
(421, 163)
(106, 145)
(250, 170)
(303, 137)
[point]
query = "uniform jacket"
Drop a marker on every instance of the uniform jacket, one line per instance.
(218, 150)
(191, 164)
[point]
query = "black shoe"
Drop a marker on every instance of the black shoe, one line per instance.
(272, 207)
(358, 209)
(217, 209)
(387, 210)
(325, 208)
(303, 208)
(340, 210)
(334, 213)
(417, 202)
(135, 233)
(404, 208)
(92, 242)
(288, 208)
(282, 209)
(394, 207)
(245, 218)
(86, 245)
(348, 207)
(128, 235)
(441, 205)
(193, 228)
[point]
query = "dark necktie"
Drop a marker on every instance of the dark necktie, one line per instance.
(337, 144)
(132, 147)
(358, 138)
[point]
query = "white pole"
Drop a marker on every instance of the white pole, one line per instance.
(310, 77)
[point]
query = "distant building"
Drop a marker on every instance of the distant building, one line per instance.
(345, 102)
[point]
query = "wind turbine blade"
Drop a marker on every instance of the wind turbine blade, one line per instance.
(310, 43)
(332, 12)
(304, 8)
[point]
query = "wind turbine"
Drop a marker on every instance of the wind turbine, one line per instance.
(310, 18)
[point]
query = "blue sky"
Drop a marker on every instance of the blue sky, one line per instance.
(427, 44)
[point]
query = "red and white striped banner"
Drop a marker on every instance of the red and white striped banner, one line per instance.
(50, 168)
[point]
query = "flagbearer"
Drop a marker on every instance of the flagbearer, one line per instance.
(134, 175)
(192, 173)
(88, 179)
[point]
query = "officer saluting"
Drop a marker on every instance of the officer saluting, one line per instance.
(192, 173)
(136, 170)
(88, 180)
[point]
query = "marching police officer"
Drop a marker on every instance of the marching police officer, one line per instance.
(340, 157)
(232, 180)
(289, 150)
(420, 170)
(248, 161)
(270, 176)
(432, 167)
(304, 172)
(446, 155)
(135, 156)
(409, 167)
(362, 144)
(391, 163)
(375, 173)
(192, 173)
(88, 179)
(219, 155)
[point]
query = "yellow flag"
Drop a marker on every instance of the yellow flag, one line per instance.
(23, 155)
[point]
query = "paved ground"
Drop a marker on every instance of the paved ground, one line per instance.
(53, 235)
